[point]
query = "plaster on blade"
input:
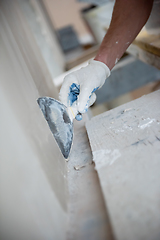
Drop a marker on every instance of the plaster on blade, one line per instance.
(59, 122)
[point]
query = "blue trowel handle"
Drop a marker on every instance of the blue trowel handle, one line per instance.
(72, 97)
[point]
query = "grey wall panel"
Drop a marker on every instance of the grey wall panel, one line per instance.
(33, 184)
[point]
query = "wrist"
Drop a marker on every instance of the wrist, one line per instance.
(108, 59)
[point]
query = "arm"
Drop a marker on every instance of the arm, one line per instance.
(128, 18)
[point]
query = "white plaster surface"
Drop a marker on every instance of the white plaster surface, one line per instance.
(33, 202)
(87, 215)
(125, 143)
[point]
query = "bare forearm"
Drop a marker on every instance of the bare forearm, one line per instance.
(128, 18)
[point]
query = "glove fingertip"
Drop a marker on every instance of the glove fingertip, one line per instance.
(92, 99)
(83, 107)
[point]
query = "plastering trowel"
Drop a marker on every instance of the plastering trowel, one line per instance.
(60, 120)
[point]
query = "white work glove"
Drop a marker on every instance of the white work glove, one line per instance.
(78, 87)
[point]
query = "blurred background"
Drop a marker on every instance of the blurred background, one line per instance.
(80, 27)
(67, 34)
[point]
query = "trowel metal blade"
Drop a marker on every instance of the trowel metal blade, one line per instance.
(59, 122)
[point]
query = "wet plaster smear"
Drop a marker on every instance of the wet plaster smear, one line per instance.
(125, 144)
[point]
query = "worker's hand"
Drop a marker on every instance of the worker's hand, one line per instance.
(79, 87)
